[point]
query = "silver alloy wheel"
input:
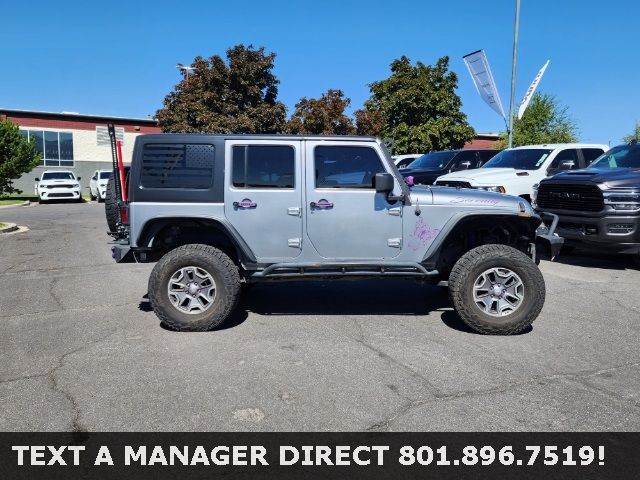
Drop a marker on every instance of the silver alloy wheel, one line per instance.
(191, 290)
(498, 292)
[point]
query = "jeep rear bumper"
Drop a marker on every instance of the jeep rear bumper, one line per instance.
(122, 253)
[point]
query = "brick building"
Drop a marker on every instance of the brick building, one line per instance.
(74, 141)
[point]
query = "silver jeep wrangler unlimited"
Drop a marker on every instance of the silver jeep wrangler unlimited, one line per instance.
(215, 211)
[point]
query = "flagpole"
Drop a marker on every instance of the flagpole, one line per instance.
(513, 71)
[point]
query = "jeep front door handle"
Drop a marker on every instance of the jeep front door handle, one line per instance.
(321, 204)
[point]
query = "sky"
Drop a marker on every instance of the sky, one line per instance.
(118, 58)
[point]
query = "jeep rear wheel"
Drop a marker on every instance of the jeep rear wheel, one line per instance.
(497, 289)
(194, 288)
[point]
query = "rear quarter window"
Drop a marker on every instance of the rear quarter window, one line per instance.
(177, 165)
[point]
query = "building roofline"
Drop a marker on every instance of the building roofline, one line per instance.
(73, 115)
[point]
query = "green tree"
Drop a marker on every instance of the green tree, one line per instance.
(544, 121)
(417, 108)
(236, 96)
(17, 156)
(322, 116)
(633, 136)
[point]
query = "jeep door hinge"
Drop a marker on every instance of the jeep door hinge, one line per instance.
(394, 242)
(294, 211)
(294, 242)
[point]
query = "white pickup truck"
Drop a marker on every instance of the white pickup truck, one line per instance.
(516, 170)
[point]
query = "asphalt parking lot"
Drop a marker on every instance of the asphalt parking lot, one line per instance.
(81, 350)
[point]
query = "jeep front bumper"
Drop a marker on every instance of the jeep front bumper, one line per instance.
(547, 240)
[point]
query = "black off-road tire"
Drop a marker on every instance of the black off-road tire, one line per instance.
(215, 262)
(111, 209)
(469, 267)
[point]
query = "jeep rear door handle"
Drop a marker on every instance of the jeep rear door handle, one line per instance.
(321, 204)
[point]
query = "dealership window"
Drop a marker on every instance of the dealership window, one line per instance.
(55, 148)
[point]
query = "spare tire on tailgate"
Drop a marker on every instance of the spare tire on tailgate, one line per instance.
(111, 209)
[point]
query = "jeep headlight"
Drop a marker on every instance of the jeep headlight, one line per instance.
(494, 188)
(622, 199)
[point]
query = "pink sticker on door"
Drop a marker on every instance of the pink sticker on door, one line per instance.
(421, 235)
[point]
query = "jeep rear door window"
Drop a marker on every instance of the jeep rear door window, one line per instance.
(346, 167)
(521, 159)
(263, 166)
(177, 165)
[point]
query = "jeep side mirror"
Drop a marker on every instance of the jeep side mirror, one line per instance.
(383, 182)
(37, 179)
(79, 178)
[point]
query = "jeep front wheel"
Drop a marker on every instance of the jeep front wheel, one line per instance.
(194, 288)
(497, 289)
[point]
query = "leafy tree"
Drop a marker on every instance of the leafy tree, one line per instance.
(236, 96)
(369, 122)
(633, 136)
(322, 116)
(417, 108)
(17, 156)
(544, 121)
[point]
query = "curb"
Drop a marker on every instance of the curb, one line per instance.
(23, 204)
(11, 227)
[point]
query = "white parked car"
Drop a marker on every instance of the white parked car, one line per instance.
(516, 170)
(58, 185)
(98, 184)
(403, 161)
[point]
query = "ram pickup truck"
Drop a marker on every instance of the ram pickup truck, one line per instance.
(599, 206)
(216, 211)
(516, 170)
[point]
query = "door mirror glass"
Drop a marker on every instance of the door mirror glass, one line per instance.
(383, 182)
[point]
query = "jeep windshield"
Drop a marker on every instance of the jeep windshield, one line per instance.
(520, 159)
(623, 156)
(105, 175)
(432, 161)
(58, 176)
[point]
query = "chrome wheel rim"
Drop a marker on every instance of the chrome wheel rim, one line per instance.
(498, 292)
(191, 290)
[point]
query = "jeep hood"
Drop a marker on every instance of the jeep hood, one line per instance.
(468, 198)
(612, 177)
(485, 176)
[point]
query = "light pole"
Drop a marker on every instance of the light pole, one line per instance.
(513, 71)
(185, 70)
